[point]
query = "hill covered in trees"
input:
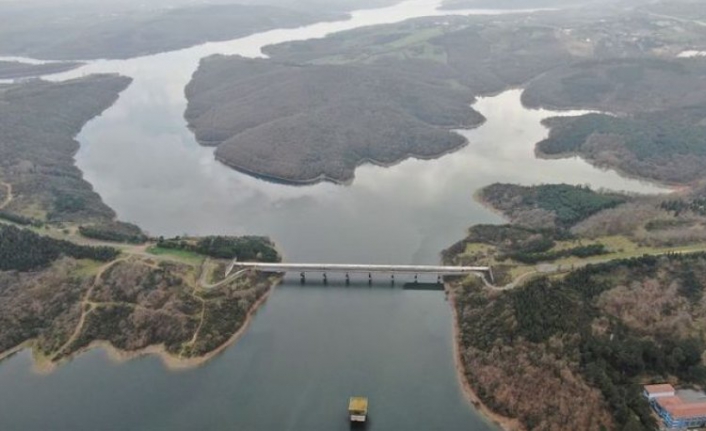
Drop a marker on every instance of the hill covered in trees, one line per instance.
(573, 353)
(307, 123)
(38, 123)
(94, 32)
(131, 304)
(621, 85)
(318, 109)
(660, 131)
(667, 146)
(548, 205)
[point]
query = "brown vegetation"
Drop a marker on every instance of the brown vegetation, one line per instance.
(132, 304)
(38, 121)
(571, 353)
(306, 123)
(41, 306)
(621, 85)
(320, 108)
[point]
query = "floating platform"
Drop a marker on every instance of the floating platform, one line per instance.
(358, 409)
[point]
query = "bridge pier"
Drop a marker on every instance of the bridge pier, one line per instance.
(348, 279)
(325, 279)
(438, 279)
(347, 269)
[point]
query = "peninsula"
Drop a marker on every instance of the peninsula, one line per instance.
(316, 110)
(73, 277)
(595, 293)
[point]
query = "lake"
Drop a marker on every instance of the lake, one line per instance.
(310, 347)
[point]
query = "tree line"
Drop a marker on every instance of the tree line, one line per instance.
(243, 248)
(114, 231)
(24, 250)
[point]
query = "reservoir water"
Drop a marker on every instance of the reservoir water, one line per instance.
(310, 347)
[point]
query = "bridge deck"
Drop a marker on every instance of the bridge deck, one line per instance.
(355, 268)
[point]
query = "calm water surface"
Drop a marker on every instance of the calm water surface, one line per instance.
(311, 347)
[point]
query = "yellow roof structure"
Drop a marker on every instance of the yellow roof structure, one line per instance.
(358, 404)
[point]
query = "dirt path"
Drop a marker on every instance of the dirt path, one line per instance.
(201, 320)
(9, 197)
(87, 306)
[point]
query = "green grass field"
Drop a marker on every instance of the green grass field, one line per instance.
(184, 256)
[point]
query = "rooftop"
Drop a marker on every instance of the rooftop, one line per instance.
(657, 389)
(679, 409)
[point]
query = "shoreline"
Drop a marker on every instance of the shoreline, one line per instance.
(43, 366)
(503, 422)
(487, 205)
(669, 186)
(323, 178)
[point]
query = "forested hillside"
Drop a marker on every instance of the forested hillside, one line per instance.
(573, 353)
(318, 109)
(93, 32)
(667, 146)
(132, 304)
(621, 85)
(38, 122)
(305, 123)
(24, 250)
(548, 205)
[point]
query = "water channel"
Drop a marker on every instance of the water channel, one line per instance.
(309, 347)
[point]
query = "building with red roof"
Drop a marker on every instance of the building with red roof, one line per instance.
(676, 413)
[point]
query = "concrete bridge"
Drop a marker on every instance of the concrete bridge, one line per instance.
(347, 269)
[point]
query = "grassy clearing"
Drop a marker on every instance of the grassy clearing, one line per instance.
(87, 268)
(416, 37)
(34, 210)
(475, 248)
(184, 256)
